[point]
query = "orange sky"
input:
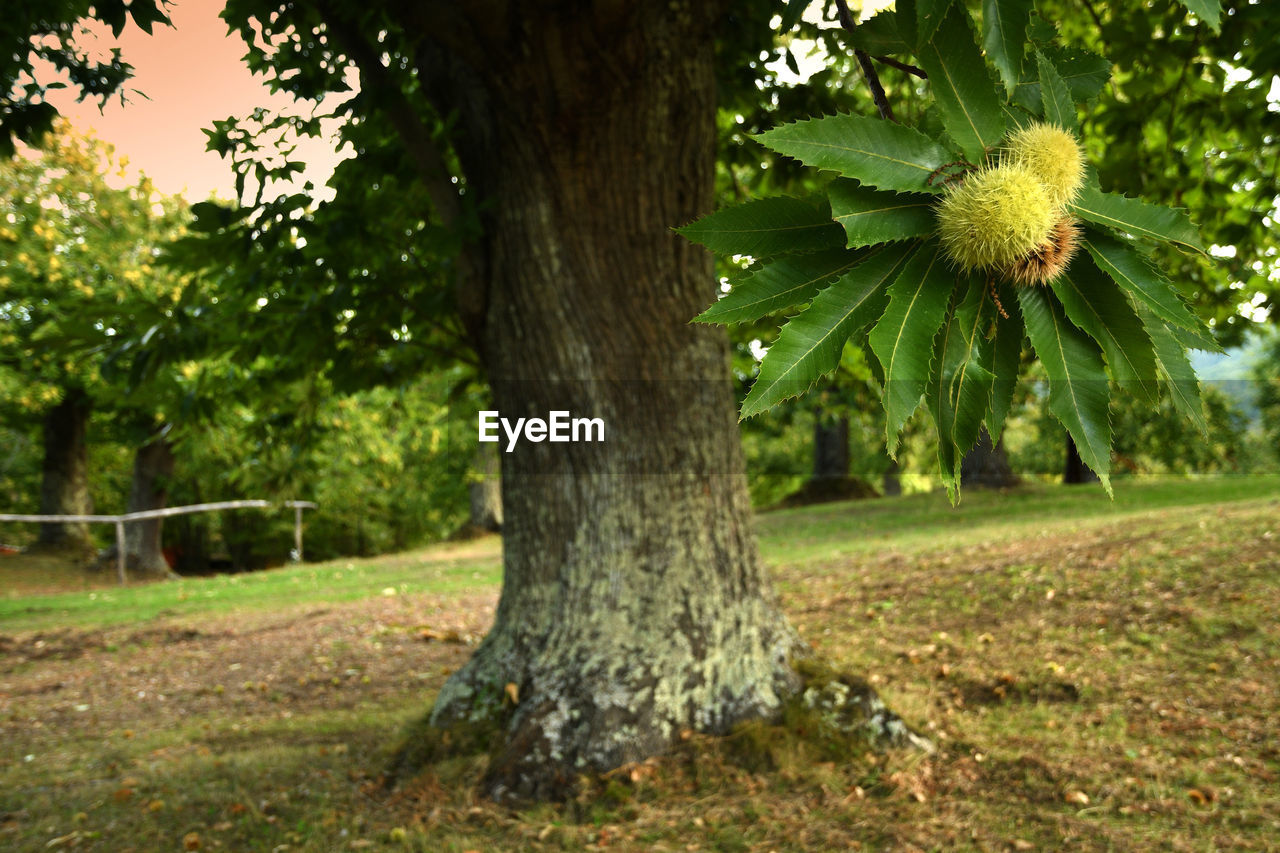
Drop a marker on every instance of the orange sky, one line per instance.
(192, 74)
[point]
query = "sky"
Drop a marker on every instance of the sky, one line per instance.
(189, 75)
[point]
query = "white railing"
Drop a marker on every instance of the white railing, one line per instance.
(120, 520)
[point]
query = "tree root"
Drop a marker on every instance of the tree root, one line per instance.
(832, 713)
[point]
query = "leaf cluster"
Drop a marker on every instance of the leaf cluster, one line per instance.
(863, 261)
(41, 50)
(81, 281)
(1189, 118)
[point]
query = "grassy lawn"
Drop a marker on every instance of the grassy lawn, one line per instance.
(1097, 675)
(444, 569)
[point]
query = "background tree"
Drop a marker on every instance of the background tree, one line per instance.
(986, 195)
(1189, 120)
(78, 271)
(544, 184)
(986, 465)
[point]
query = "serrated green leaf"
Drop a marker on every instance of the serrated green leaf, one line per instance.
(872, 216)
(809, 345)
(1143, 282)
(959, 389)
(1058, 108)
(1084, 73)
(1179, 377)
(1202, 339)
(872, 362)
(876, 152)
(767, 226)
(1095, 304)
(929, 16)
(780, 284)
(1004, 37)
(903, 338)
(1209, 11)
(1136, 217)
(1005, 340)
(1078, 392)
(965, 94)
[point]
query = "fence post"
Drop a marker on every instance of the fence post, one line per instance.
(120, 553)
(297, 531)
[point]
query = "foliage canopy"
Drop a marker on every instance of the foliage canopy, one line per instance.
(863, 256)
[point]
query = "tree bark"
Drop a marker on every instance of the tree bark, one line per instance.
(152, 474)
(987, 466)
(1075, 472)
(634, 604)
(64, 488)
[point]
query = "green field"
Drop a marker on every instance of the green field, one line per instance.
(1097, 675)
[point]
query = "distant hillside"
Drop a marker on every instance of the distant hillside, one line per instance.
(1231, 372)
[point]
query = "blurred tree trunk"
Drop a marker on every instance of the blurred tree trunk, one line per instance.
(152, 473)
(830, 480)
(891, 484)
(830, 446)
(1075, 472)
(486, 491)
(64, 488)
(986, 466)
(190, 535)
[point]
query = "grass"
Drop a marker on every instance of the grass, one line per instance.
(445, 569)
(1097, 675)
(926, 520)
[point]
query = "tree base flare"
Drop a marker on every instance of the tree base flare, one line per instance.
(847, 705)
(830, 715)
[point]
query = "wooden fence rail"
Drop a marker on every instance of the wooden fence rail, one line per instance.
(120, 520)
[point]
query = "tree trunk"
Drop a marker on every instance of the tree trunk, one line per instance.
(189, 534)
(986, 466)
(1075, 472)
(152, 473)
(891, 484)
(149, 489)
(634, 604)
(486, 492)
(830, 447)
(64, 488)
(830, 480)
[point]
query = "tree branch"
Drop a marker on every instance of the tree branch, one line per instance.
(902, 66)
(1093, 14)
(426, 156)
(864, 62)
(428, 160)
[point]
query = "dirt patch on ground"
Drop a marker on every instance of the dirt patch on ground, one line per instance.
(310, 659)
